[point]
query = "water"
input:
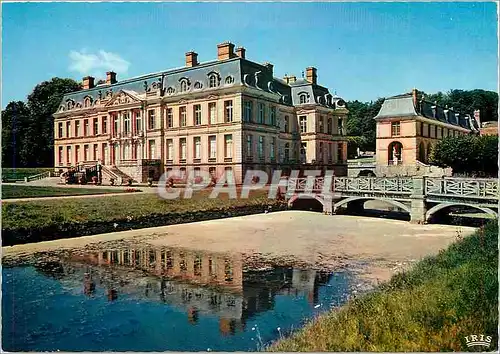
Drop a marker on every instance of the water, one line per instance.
(158, 299)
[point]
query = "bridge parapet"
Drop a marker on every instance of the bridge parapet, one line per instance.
(467, 188)
(383, 185)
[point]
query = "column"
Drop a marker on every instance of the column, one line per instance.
(418, 207)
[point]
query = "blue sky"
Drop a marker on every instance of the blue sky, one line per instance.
(362, 50)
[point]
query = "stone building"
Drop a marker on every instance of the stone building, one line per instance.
(227, 115)
(408, 127)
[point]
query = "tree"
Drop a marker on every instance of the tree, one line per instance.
(360, 123)
(34, 129)
(467, 154)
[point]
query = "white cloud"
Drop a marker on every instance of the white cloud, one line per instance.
(97, 64)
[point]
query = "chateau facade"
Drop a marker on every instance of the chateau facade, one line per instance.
(224, 116)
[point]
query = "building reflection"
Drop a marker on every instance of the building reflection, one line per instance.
(198, 282)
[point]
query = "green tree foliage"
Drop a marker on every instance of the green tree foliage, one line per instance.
(361, 125)
(28, 129)
(467, 154)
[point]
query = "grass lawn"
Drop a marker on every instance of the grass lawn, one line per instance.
(23, 191)
(430, 308)
(34, 214)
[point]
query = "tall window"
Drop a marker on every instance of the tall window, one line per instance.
(170, 149)
(138, 121)
(212, 147)
(95, 155)
(59, 130)
(115, 124)
(85, 127)
(85, 153)
(249, 145)
(60, 155)
(272, 116)
(68, 154)
(228, 146)
(303, 151)
(182, 116)
(184, 86)
(320, 125)
(126, 120)
(287, 124)
(320, 154)
(341, 127)
(287, 152)
(340, 152)
(170, 118)
(212, 111)
(151, 119)
(68, 129)
(272, 148)
(105, 125)
(260, 149)
(329, 125)
(303, 99)
(395, 128)
(152, 149)
(77, 128)
(197, 147)
(228, 111)
(212, 80)
(197, 114)
(248, 111)
(77, 154)
(96, 126)
(182, 148)
(262, 113)
(126, 151)
(303, 124)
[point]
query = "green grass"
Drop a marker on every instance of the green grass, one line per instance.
(430, 308)
(23, 191)
(18, 174)
(35, 214)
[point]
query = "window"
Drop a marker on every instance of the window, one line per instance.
(287, 124)
(320, 152)
(212, 111)
(126, 151)
(68, 154)
(182, 148)
(184, 86)
(287, 152)
(262, 113)
(152, 149)
(115, 124)
(260, 149)
(213, 80)
(303, 124)
(249, 145)
(170, 149)
(183, 116)
(228, 146)
(439, 133)
(85, 127)
(272, 116)
(96, 126)
(85, 153)
(77, 128)
(320, 125)
(95, 156)
(77, 153)
(60, 130)
(424, 129)
(197, 114)
(212, 147)
(272, 148)
(212, 170)
(421, 127)
(104, 125)
(435, 131)
(303, 98)
(228, 110)
(126, 120)
(170, 118)
(341, 127)
(151, 119)
(329, 126)
(197, 147)
(303, 151)
(340, 152)
(247, 116)
(138, 121)
(60, 155)
(395, 128)
(68, 129)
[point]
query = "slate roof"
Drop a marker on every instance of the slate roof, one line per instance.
(230, 72)
(403, 106)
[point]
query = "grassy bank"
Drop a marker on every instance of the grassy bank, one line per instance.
(18, 174)
(430, 308)
(23, 191)
(34, 221)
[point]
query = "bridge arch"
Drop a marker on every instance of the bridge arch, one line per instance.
(389, 201)
(432, 211)
(303, 198)
(366, 173)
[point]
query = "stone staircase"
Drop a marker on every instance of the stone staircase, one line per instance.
(109, 172)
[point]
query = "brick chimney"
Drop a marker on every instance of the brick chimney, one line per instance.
(240, 51)
(311, 75)
(191, 59)
(225, 51)
(414, 94)
(110, 78)
(88, 82)
(477, 116)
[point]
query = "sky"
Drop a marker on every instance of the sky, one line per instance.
(362, 51)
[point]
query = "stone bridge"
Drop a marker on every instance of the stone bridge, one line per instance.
(420, 197)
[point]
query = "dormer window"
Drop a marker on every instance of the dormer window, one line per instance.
(213, 80)
(69, 104)
(229, 80)
(198, 85)
(184, 84)
(87, 102)
(303, 98)
(170, 90)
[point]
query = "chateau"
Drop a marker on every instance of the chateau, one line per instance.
(224, 116)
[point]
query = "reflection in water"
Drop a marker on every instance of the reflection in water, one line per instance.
(197, 283)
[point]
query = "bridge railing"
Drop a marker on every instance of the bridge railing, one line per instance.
(300, 184)
(477, 188)
(401, 185)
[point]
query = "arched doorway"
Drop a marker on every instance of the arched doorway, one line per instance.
(395, 153)
(422, 153)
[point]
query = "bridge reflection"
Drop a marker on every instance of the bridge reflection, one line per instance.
(197, 282)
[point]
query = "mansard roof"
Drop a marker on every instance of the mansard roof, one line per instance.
(403, 106)
(230, 72)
